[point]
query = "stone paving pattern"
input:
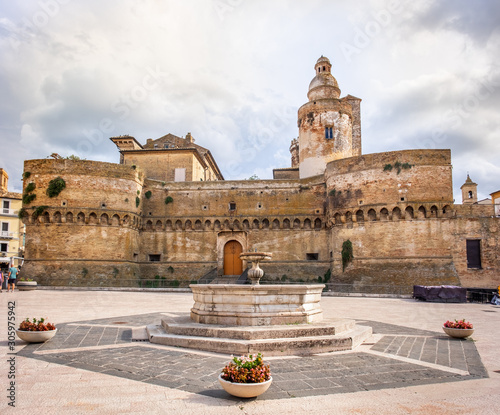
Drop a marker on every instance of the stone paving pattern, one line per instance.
(116, 354)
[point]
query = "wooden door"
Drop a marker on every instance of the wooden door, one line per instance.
(233, 265)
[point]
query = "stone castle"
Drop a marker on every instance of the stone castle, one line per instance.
(167, 211)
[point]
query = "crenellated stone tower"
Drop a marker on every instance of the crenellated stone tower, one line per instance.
(329, 126)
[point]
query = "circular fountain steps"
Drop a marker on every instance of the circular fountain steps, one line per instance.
(295, 339)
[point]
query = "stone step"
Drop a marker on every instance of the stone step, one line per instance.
(307, 345)
(184, 326)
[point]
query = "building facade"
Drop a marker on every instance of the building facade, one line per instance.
(167, 211)
(12, 229)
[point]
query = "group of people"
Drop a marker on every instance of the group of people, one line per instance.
(11, 278)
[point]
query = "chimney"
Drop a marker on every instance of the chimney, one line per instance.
(189, 138)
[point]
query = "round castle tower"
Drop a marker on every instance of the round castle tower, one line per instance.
(326, 123)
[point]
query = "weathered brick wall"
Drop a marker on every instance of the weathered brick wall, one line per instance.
(315, 151)
(84, 242)
(361, 181)
(90, 228)
(423, 251)
(89, 184)
(476, 222)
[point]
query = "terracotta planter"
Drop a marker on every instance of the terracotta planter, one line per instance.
(245, 390)
(458, 333)
(36, 336)
(26, 285)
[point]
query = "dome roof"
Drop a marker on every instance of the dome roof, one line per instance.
(323, 85)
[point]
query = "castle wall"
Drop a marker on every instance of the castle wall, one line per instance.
(94, 231)
(413, 176)
(89, 184)
(402, 252)
(90, 229)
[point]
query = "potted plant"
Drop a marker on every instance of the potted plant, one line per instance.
(459, 329)
(36, 331)
(26, 284)
(246, 376)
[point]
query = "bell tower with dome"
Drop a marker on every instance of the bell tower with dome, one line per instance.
(329, 126)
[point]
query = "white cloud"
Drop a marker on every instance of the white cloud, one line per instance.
(235, 76)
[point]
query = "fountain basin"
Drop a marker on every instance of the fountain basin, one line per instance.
(256, 305)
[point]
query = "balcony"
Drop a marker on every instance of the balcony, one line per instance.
(6, 235)
(8, 212)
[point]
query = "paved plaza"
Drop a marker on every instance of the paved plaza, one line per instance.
(99, 362)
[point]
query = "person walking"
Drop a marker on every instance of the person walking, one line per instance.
(1, 281)
(12, 278)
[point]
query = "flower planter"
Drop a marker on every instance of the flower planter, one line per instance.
(458, 333)
(36, 336)
(26, 285)
(245, 390)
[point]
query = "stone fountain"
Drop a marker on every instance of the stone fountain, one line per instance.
(274, 319)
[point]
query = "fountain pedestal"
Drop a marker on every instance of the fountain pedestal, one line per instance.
(255, 273)
(256, 305)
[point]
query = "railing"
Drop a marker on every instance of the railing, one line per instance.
(350, 289)
(164, 283)
(118, 283)
(6, 234)
(12, 212)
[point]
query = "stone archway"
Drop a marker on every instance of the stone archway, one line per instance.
(233, 265)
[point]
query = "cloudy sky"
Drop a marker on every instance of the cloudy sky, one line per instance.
(235, 72)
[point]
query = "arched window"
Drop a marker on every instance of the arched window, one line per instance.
(409, 212)
(360, 216)
(396, 213)
(384, 214)
(337, 218)
(372, 215)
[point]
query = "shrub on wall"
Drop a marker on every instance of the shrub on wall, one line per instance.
(56, 186)
(137, 201)
(30, 187)
(22, 213)
(398, 166)
(347, 255)
(28, 198)
(148, 194)
(168, 200)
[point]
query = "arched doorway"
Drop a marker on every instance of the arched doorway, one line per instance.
(233, 265)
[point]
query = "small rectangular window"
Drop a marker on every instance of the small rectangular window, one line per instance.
(232, 206)
(4, 247)
(136, 256)
(328, 132)
(312, 257)
(154, 258)
(474, 253)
